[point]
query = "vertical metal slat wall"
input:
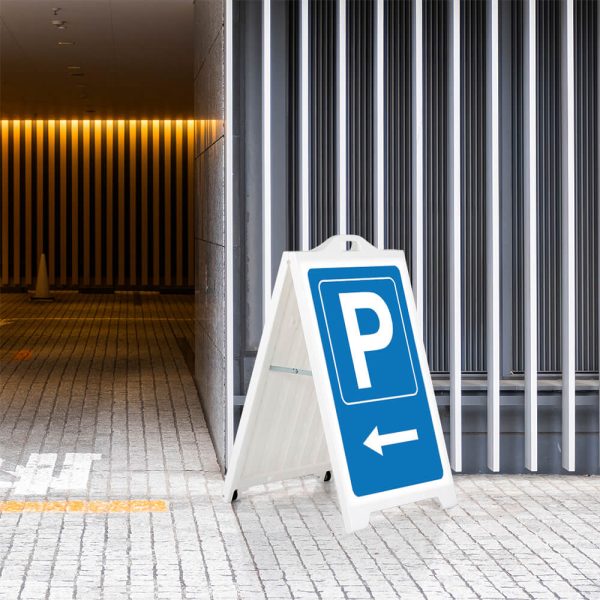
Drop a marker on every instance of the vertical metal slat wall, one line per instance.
(486, 155)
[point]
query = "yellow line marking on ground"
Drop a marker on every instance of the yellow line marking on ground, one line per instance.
(85, 506)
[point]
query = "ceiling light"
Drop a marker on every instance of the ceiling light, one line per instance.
(58, 23)
(65, 43)
(73, 68)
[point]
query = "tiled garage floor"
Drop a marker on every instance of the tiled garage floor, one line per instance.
(99, 386)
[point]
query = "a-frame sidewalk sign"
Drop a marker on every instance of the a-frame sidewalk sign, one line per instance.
(341, 384)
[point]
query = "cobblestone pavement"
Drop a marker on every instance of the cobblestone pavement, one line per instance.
(106, 375)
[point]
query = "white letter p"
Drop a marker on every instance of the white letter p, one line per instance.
(361, 344)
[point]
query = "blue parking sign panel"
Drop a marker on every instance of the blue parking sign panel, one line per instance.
(377, 382)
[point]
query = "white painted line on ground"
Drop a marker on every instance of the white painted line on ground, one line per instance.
(36, 477)
(75, 472)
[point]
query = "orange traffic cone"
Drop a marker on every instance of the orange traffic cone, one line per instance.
(42, 289)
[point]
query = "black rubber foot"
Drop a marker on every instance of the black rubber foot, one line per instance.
(235, 496)
(327, 476)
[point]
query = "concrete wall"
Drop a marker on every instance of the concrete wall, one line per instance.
(209, 96)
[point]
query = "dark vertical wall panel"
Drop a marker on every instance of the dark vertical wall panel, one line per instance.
(248, 162)
(473, 50)
(361, 110)
(436, 55)
(549, 182)
(293, 126)
(587, 192)
(323, 120)
(517, 157)
(398, 126)
(63, 194)
(284, 140)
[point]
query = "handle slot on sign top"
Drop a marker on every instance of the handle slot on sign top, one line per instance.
(345, 243)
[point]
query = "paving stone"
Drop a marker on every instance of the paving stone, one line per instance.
(107, 375)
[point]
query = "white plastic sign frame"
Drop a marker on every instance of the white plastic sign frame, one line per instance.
(290, 426)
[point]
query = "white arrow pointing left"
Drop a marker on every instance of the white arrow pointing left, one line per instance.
(375, 441)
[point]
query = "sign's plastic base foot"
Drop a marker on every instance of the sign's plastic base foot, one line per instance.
(447, 498)
(355, 521)
(230, 493)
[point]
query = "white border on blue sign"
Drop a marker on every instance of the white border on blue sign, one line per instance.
(412, 366)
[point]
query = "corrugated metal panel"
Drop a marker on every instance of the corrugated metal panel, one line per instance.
(398, 126)
(323, 114)
(549, 199)
(436, 57)
(473, 49)
(361, 111)
(518, 184)
(587, 190)
(550, 182)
